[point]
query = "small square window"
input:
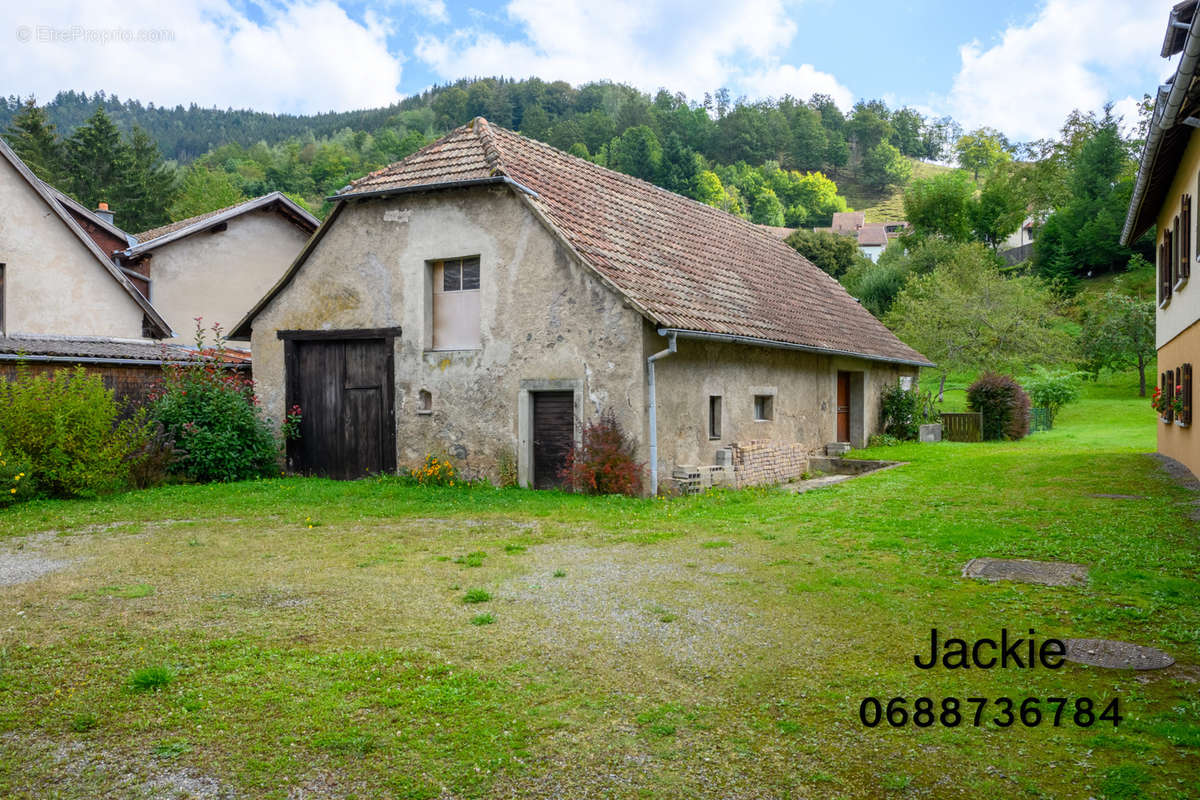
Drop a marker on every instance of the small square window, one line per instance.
(714, 416)
(906, 382)
(764, 407)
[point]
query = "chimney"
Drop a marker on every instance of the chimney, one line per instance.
(103, 213)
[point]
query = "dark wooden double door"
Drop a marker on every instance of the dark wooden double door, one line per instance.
(344, 389)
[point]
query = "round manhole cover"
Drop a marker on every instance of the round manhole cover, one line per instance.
(1116, 655)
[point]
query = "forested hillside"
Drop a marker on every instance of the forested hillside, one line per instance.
(776, 162)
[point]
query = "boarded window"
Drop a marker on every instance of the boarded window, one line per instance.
(714, 416)
(456, 304)
(764, 407)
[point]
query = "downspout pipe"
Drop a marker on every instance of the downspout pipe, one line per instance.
(654, 411)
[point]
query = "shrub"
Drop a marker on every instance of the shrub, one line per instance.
(604, 462)
(1004, 404)
(883, 440)
(900, 412)
(436, 472)
(211, 413)
(1053, 390)
(67, 425)
(16, 476)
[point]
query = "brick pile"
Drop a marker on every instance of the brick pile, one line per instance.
(762, 462)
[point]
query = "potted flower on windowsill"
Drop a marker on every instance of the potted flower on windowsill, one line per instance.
(1177, 410)
(1159, 404)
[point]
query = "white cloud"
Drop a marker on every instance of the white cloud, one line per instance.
(1068, 56)
(674, 44)
(303, 56)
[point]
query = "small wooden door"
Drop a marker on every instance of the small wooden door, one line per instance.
(843, 406)
(553, 435)
(343, 388)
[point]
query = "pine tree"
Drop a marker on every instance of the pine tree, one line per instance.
(148, 189)
(33, 138)
(97, 161)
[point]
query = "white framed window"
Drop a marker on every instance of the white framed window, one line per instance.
(456, 303)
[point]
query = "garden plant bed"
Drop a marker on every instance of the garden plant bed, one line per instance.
(301, 637)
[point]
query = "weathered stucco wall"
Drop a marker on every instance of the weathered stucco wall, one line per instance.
(543, 317)
(803, 385)
(52, 283)
(220, 275)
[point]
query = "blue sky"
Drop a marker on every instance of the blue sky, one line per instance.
(1020, 65)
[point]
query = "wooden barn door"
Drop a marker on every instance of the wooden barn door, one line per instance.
(843, 406)
(553, 435)
(344, 389)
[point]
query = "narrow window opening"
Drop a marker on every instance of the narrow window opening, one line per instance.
(764, 407)
(714, 416)
(424, 402)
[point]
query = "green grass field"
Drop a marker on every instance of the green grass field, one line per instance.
(306, 638)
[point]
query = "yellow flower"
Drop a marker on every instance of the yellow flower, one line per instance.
(12, 491)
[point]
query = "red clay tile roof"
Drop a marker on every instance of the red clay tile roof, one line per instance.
(178, 225)
(873, 234)
(684, 264)
(776, 231)
(148, 239)
(96, 348)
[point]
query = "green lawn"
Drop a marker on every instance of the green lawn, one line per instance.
(888, 205)
(301, 637)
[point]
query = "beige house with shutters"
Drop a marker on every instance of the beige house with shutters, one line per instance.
(1165, 194)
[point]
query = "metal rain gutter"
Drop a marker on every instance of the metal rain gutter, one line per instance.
(432, 187)
(1160, 123)
(654, 408)
(753, 340)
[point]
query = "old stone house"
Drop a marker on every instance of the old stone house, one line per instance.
(487, 296)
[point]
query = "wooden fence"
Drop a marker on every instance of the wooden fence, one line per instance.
(966, 426)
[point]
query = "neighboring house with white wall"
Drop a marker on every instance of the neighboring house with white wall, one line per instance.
(216, 265)
(488, 296)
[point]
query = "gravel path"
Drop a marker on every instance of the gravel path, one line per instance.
(25, 560)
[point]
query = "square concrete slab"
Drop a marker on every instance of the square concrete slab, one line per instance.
(1046, 573)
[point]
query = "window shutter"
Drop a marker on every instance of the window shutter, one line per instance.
(1169, 394)
(1169, 271)
(1185, 243)
(1162, 262)
(1187, 394)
